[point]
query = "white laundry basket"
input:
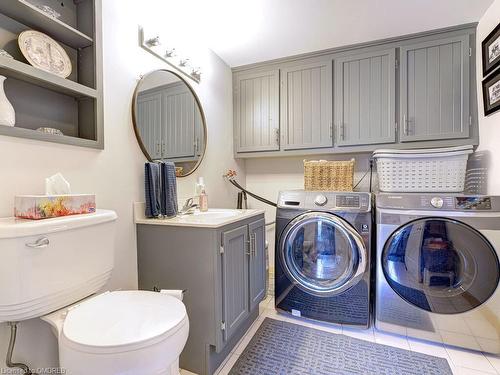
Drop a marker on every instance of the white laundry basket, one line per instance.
(436, 170)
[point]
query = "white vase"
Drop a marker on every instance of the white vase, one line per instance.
(7, 113)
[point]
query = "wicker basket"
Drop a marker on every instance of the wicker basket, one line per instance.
(328, 175)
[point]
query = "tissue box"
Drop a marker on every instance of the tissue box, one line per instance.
(45, 206)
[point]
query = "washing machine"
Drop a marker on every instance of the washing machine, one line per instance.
(437, 268)
(322, 262)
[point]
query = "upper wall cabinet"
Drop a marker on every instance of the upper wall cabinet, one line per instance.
(413, 91)
(365, 98)
(256, 111)
(306, 105)
(435, 90)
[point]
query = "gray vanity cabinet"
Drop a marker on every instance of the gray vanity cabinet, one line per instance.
(256, 111)
(257, 266)
(235, 282)
(434, 95)
(365, 98)
(222, 270)
(306, 105)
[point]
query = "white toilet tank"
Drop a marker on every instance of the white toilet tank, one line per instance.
(48, 264)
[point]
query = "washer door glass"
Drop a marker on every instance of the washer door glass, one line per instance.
(440, 265)
(322, 253)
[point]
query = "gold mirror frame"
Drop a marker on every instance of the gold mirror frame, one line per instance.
(136, 129)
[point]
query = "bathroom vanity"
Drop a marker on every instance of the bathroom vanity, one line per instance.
(218, 258)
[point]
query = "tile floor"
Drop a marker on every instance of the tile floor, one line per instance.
(461, 361)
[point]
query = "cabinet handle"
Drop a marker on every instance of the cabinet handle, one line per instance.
(254, 244)
(277, 134)
(342, 133)
(248, 250)
(406, 125)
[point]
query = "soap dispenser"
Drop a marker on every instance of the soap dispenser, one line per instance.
(203, 201)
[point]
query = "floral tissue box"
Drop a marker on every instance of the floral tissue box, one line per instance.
(45, 206)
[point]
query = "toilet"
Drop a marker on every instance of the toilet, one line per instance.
(65, 263)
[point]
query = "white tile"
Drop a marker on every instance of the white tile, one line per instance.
(397, 341)
(363, 334)
(494, 360)
(467, 371)
(424, 335)
(229, 364)
(470, 359)
(429, 348)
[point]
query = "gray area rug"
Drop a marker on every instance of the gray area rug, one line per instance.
(289, 349)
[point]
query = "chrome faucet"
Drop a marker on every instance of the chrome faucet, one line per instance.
(188, 208)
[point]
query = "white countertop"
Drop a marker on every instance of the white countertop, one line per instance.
(213, 218)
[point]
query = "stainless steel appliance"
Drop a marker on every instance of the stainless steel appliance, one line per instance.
(438, 269)
(322, 263)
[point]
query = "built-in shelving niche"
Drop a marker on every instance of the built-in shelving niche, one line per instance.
(40, 99)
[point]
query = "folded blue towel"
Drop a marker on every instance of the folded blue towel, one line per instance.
(168, 195)
(152, 189)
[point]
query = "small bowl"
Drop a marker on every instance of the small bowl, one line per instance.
(50, 131)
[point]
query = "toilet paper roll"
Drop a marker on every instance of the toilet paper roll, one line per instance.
(177, 293)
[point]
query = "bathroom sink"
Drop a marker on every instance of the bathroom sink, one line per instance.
(213, 214)
(213, 218)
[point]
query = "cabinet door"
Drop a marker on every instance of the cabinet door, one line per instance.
(306, 106)
(365, 98)
(257, 262)
(256, 111)
(435, 90)
(180, 113)
(235, 279)
(150, 123)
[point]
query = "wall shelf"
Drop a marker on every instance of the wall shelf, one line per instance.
(16, 69)
(31, 16)
(15, 131)
(73, 105)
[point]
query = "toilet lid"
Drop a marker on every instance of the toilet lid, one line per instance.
(123, 318)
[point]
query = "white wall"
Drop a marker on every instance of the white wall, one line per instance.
(489, 127)
(267, 177)
(115, 174)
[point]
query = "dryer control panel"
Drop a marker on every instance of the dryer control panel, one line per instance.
(325, 200)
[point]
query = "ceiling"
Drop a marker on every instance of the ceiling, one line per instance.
(248, 31)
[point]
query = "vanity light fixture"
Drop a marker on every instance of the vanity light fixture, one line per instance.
(196, 73)
(182, 65)
(170, 52)
(184, 62)
(153, 42)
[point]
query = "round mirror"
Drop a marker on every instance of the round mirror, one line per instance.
(169, 122)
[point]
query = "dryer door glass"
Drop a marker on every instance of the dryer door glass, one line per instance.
(322, 253)
(440, 265)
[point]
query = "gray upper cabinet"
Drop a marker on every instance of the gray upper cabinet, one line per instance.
(434, 96)
(365, 98)
(179, 114)
(149, 111)
(256, 111)
(257, 265)
(306, 105)
(235, 279)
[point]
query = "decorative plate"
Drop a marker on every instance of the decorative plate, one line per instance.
(44, 53)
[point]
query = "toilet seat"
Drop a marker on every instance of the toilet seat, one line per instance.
(122, 321)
